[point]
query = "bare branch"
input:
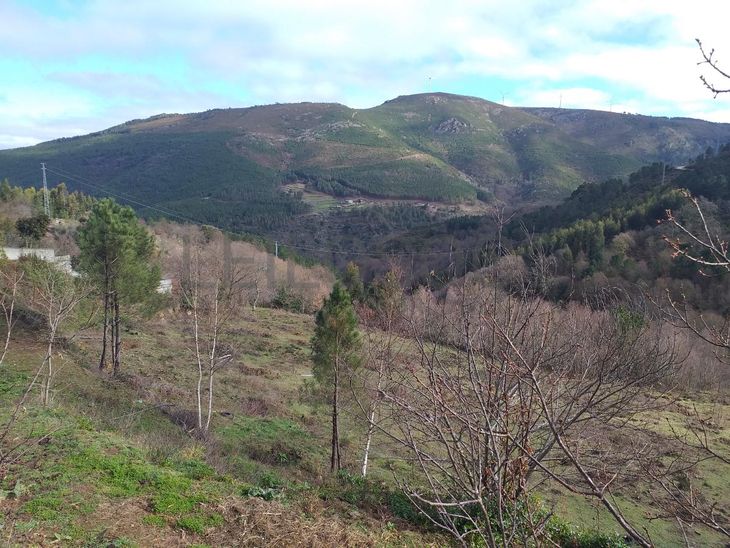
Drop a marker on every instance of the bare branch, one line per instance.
(708, 58)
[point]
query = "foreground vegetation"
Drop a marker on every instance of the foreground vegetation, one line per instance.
(112, 460)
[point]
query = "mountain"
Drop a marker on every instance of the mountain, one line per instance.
(229, 166)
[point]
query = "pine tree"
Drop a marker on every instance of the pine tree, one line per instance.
(117, 253)
(335, 347)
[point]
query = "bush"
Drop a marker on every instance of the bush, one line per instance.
(266, 493)
(287, 299)
(403, 508)
(194, 469)
(569, 536)
(33, 228)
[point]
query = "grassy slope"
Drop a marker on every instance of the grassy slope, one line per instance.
(635, 501)
(118, 467)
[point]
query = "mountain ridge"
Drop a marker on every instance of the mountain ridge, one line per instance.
(432, 146)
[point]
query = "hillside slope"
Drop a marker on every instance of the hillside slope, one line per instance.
(228, 165)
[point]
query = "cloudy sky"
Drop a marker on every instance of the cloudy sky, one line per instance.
(74, 66)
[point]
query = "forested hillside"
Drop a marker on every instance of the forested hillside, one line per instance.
(232, 166)
(606, 234)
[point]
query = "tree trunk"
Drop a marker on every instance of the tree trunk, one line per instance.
(102, 358)
(256, 296)
(117, 337)
(9, 308)
(198, 392)
(46, 387)
(210, 399)
(371, 429)
(335, 459)
(47, 390)
(196, 334)
(7, 337)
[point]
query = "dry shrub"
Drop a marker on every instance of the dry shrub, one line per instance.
(106, 520)
(185, 418)
(255, 522)
(156, 390)
(701, 369)
(265, 273)
(255, 407)
(252, 371)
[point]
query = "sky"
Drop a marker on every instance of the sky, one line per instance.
(70, 67)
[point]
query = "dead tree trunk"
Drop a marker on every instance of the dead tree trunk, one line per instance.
(368, 440)
(7, 302)
(46, 386)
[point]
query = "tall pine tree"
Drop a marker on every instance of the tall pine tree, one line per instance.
(335, 347)
(117, 253)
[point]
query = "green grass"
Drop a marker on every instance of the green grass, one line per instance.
(198, 523)
(321, 203)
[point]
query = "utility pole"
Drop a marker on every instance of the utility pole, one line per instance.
(46, 201)
(276, 249)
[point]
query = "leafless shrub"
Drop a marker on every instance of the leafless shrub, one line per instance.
(697, 238)
(264, 273)
(506, 393)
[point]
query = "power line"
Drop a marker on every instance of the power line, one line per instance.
(169, 213)
(103, 190)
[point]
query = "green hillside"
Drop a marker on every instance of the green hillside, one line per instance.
(228, 165)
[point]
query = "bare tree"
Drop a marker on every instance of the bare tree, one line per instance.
(10, 280)
(211, 294)
(510, 392)
(12, 452)
(702, 247)
(55, 295)
(258, 279)
(385, 348)
(707, 249)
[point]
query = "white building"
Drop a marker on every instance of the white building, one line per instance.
(46, 254)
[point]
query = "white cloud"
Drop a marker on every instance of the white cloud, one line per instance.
(101, 54)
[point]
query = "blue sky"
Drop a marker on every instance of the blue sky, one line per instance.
(74, 66)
